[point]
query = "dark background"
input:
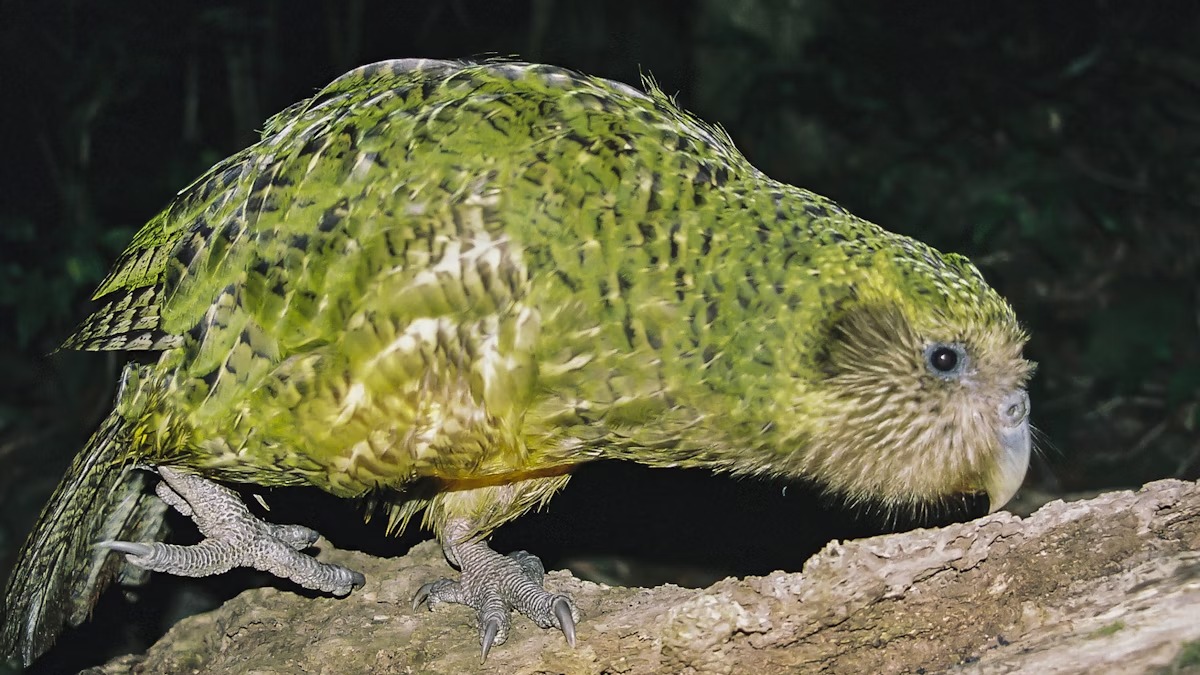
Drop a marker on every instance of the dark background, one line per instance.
(1056, 144)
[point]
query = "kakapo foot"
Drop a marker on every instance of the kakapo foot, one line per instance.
(234, 537)
(494, 585)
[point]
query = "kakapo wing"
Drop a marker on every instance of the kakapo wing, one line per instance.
(130, 318)
(337, 288)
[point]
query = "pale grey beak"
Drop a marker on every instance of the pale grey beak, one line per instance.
(1015, 443)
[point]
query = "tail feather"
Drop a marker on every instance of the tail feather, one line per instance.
(60, 572)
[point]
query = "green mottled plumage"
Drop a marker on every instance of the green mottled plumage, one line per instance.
(457, 281)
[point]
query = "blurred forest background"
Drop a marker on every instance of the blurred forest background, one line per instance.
(1056, 144)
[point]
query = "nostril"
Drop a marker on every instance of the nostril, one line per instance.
(1016, 408)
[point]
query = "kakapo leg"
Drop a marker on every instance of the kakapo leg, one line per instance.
(494, 585)
(234, 537)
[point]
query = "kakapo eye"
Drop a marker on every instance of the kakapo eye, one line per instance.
(944, 359)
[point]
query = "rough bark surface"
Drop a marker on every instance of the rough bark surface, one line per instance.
(1110, 584)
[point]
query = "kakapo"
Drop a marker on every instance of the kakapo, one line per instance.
(441, 286)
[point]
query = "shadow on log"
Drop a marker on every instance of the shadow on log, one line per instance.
(1110, 584)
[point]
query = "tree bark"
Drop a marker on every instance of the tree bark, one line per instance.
(1110, 584)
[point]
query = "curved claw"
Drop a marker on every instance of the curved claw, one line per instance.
(566, 620)
(296, 536)
(132, 548)
(490, 630)
(422, 595)
(357, 580)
